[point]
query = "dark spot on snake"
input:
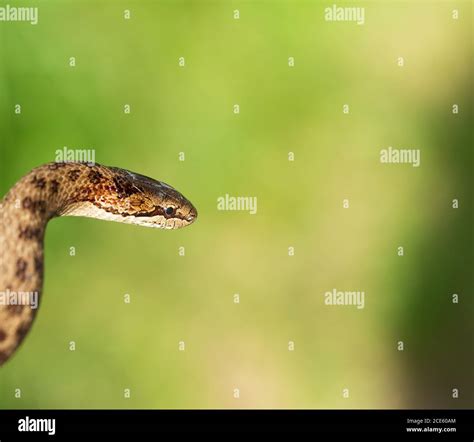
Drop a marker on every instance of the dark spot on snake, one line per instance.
(30, 232)
(40, 206)
(21, 266)
(54, 184)
(3, 335)
(27, 203)
(34, 206)
(39, 264)
(73, 174)
(124, 187)
(95, 177)
(39, 183)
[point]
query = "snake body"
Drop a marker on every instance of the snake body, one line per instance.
(68, 189)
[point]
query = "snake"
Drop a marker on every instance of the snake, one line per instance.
(68, 189)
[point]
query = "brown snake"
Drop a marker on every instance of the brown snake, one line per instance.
(68, 189)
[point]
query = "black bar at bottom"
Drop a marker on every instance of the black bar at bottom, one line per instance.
(135, 425)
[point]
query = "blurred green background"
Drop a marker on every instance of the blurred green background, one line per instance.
(282, 109)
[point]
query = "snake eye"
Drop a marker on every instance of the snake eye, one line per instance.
(169, 210)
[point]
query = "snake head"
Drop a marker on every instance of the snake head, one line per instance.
(151, 203)
(114, 194)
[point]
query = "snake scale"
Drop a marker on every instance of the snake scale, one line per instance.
(68, 189)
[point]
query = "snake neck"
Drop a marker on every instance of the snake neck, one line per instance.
(44, 193)
(24, 213)
(23, 216)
